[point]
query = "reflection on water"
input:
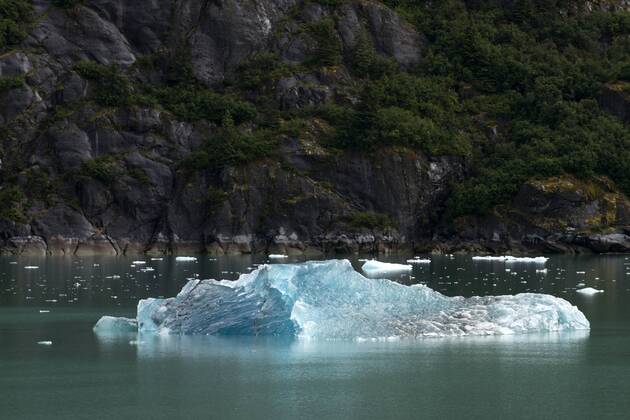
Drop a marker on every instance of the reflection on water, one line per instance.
(151, 346)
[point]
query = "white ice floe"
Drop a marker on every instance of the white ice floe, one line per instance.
(589, 291)
(330, 300)
(488, 258)
(419, 261)
(375, 268)
(31, 267)
(139, 262)
(511, 259)
(542, 271)
(45, 343)
(185, 258)
(277, 256)
(157, 259)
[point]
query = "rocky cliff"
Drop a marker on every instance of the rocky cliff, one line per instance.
(86, 173)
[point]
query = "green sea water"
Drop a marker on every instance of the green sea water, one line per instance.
(584, 375)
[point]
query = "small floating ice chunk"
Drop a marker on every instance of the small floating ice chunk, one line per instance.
(185, 258)
(488, 258)
(31, 267)
(542, 271)
(157, 259)
(45, 343)
(139, 262)
(114, 325)
(535, 260)
(44, 311)
(375, 268)
(589, 291)
(511, 259)
(277, 256)
(419, 261)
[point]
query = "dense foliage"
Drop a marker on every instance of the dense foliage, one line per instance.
(530, 74)
(511, 88)
(14, 18)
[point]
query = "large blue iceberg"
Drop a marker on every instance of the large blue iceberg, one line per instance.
(330, 300)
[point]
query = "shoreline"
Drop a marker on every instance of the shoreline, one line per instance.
(103, 245)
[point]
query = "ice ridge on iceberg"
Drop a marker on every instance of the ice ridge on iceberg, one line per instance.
(330, 300)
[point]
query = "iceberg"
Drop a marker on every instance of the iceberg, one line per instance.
(277, 256)
(373, 268)
(330, 300)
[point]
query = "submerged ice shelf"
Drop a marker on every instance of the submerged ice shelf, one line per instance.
(330, 300)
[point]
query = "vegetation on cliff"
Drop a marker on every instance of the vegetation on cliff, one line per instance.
(513, 89)
(510, 88)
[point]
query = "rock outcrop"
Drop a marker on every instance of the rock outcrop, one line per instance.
(554, 215)
(112, 180)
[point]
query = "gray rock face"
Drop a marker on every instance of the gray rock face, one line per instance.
(223, 34)
(104, 180)
(72, 146)
(15, 64)
(555, 215)
(86, 36)
(390, 35)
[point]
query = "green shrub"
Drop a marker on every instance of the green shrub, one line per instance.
(369, 220)
(326, 43)
(10, 82)
(102, 168)
(67, 4)
(216, 198)
(365, 62)
(193, 103)
(12, 204)
(15, 16)
(230, 146)
(112, 86)
(140, 175)
(260, 71)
